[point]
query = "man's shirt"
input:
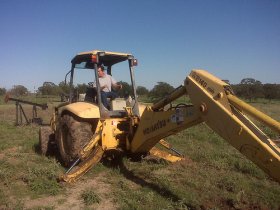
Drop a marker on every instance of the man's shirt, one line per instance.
(107, 81)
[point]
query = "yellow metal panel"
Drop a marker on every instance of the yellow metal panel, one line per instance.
(165, 155)
(243, 135)
(273, 124)
(210, 84)
(142, 107)
(83, 110)
(154, 126)
(94, 52)
(112, 136)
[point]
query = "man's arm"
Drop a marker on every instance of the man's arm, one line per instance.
(116, 85)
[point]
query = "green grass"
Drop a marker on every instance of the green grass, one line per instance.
(23, 172)
(40, 99)
(90, 197)
(213, 175)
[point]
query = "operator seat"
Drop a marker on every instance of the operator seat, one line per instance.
(91, 94)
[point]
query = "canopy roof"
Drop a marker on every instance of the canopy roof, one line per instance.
(105, 57)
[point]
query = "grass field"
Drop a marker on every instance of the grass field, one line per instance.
(213, 175)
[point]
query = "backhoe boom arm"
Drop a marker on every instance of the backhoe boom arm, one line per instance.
(215, 104)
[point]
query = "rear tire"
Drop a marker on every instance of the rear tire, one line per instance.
(46, 140)
(72, 136)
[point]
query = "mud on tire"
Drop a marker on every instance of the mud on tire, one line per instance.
(73, 134)
(46, 140)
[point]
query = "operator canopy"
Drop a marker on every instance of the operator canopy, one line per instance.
(106, 58)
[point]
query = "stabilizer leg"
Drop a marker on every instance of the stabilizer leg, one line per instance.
(166, 155)
(75, 172)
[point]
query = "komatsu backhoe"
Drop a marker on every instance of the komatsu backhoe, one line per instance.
(85, 131)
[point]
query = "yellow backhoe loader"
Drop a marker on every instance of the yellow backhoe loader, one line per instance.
(85, 131)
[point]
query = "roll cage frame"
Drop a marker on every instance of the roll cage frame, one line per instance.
(92, 60)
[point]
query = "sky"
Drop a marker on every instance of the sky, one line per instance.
(231, 39)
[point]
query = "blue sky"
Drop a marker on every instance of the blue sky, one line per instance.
(230, 39)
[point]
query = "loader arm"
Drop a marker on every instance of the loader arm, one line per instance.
(215, 104)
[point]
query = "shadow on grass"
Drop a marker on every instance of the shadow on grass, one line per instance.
(117, 162)
(52, 151)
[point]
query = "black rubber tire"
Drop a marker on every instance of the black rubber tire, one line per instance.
(46, 139)
(72, 136)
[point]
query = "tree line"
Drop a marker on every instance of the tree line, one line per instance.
(252, 89)
(248, 88)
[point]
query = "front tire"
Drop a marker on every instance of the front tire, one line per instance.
(73, 134)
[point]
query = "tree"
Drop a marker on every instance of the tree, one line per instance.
(81, 88)
(65, 88)
(2, 91)
(250, 88)
(142, 91)
(18, 90)
(250, 81)
(278, 91)
(160, 90)
(49, 88)
(271, 91)
(126, 89)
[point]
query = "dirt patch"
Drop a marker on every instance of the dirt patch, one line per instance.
(183, 164)
(72, 197)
